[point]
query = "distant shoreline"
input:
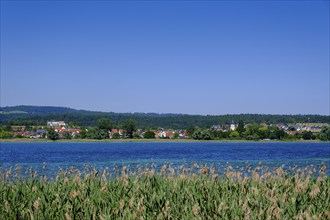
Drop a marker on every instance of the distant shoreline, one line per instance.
(25, 140)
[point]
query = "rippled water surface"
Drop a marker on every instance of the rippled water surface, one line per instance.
(109, 155)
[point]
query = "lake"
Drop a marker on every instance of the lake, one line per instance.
(109, 155)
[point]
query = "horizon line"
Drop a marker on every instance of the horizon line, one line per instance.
(160, 113)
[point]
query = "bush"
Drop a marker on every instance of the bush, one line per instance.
(149, 134)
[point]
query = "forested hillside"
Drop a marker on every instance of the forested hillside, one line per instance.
(34, 115)
(41, 110)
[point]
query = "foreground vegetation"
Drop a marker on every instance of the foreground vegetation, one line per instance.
(149, 193)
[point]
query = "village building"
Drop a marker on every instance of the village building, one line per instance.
(56, 124)
(232, 126)
(118, 131)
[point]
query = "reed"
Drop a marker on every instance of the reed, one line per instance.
(165, 194)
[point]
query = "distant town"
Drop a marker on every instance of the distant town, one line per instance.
(55, 130)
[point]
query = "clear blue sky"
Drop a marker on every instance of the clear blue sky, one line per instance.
(195, 57)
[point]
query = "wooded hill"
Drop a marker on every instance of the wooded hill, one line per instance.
(39, 115)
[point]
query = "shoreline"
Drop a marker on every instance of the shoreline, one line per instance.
(26, 140)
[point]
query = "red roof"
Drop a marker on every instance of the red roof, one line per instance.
(169, 134)
(114, 130)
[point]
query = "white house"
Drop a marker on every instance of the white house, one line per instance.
(232, 126)
(56, 123)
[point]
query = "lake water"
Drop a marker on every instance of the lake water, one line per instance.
(109, 155)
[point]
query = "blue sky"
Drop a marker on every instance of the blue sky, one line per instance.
(195, 57)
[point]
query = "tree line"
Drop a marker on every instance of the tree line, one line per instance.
(153, 121)
(256, 132)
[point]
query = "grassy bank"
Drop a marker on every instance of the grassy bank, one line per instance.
(148, 194)
(29, 140)
(23, 140)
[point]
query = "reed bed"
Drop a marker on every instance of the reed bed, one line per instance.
(149, 193)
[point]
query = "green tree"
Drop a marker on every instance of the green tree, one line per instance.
(104, 124)
(52, 134)
(130, 127)
(191, 130)
(240, 127)
(218, 134)
(206, 135)
(197, 135)
(234, 135)
(103, 128)
(298, 135)
(200, 134)
(116, 136)
(96, 133)
(308, 135)
(325, 134)
(7, 128)
(253, 128)
(280, 134)
(263, 132)
(4, 133)
(67, 135)
(73, 124)
(253, 137)
(136, 136)
(82, 133)
(149, 134)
